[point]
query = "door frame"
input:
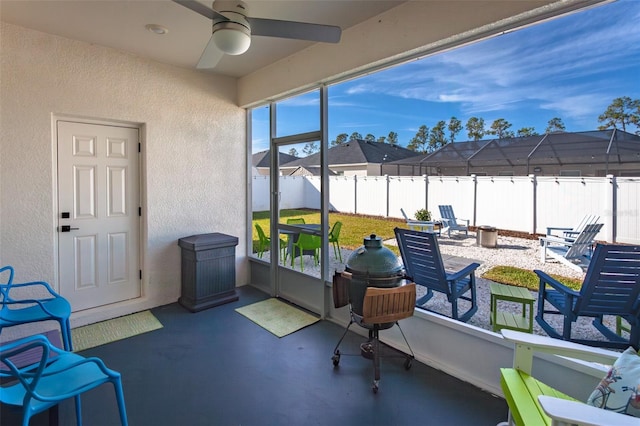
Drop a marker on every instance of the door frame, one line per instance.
(304, 290)
(142, 237)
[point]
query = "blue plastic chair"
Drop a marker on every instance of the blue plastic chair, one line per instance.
(22, 311)
(58, 375)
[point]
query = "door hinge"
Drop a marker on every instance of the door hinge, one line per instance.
(140, 271)
(139, 148)
(139, 211)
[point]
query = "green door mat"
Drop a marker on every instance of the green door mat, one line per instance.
(100, 333)
(277, 317)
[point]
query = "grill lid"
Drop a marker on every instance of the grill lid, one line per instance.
(373, 260)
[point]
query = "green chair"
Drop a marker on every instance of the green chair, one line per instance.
(264, 242)
(306, 242)
(294, 221)
(334, 239)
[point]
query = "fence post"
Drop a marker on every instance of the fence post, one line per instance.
(355, 194)
(388, 194)
(613, 202)
(474, 179)
(534, 188)
(426, 192)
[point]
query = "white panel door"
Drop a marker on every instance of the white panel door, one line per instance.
(98, 218)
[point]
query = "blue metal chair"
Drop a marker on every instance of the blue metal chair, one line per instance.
(611, 287)
(423, 265)
(16, 311)
(56, 376)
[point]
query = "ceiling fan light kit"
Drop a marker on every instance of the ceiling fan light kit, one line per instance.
(232, 29)
(231, 37)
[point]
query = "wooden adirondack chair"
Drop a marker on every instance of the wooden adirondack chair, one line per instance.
(611, 287)
(572, 232)
(423, 265)
(451, 222)
(574, 253)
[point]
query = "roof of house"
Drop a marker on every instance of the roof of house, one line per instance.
(310, 171)
(560, 148)
(263, 158)
(356, 152)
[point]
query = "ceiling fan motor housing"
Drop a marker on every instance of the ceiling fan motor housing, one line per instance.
(233, 35)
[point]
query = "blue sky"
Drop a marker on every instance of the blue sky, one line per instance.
(570, 67)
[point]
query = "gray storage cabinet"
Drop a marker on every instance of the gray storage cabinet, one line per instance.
(208, 270)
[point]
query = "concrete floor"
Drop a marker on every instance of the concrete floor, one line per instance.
(216, 367)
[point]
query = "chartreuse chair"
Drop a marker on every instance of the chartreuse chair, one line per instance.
(33, 302)
(306, 242)
(334, 239)
(56, 376)
(264, 242)
(534, 403)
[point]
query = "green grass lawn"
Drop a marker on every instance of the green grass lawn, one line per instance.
(355, 228)
(524, 278)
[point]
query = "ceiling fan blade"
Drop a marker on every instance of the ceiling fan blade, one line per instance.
(201, 9)
(295, 30)
(210, 56)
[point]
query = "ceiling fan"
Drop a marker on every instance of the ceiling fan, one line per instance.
(232, 29)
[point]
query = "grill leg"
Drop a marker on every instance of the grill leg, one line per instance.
(376, 358)
(336, 352)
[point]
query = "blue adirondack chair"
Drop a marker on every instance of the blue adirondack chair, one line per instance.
(423, 265)
(611, 287)
(451, 222)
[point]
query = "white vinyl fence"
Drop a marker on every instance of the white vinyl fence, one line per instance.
(518, 203)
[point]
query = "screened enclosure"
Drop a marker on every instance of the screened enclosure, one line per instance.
(592, 153)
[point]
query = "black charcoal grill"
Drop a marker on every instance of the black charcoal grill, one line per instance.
(371, 265)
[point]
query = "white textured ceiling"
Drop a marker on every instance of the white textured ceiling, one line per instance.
(120, 24)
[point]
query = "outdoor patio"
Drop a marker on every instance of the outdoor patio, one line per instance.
(460, 249)
(216, 367)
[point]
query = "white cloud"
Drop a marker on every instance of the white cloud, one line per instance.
(570, 65)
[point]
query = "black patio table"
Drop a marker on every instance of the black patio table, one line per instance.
(307, 228)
